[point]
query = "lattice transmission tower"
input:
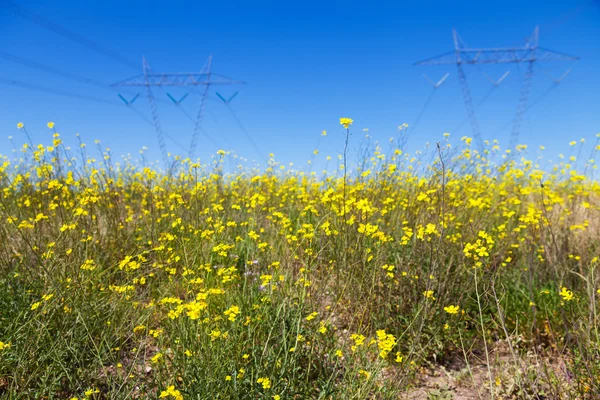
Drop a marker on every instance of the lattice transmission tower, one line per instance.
(149, 79)
(529, 54)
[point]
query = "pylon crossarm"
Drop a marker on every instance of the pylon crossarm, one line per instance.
(497, 56)
(178, 79)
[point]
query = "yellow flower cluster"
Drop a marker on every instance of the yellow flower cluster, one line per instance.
(385, 342)
(171, 392)
(265, 382)
(566, 294)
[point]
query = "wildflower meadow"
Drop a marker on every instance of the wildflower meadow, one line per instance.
(478, 267)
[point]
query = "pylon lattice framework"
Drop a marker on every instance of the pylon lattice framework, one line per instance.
(149, 79)
(529, 54)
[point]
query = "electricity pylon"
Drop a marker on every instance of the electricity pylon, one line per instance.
(528, 54)
(151, 79)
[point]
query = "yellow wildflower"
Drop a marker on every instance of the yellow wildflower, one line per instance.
(265, 382)
(429, 294)
(346, 122)
(566, 294)
(452, 309)
(171, 392)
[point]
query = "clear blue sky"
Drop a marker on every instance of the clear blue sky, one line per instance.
(306, 64)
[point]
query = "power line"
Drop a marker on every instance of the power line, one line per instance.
(532, 104)
(422, 112)
(243, 129)
(64, 32)
(436, 86)
(54, 91)
(142, 116)
(191, 119)
(64, 74)
(216, 123)
(44, 89)
(483, 100)
(51, 70)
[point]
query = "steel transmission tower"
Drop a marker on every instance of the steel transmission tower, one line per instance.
(528, 54)
(149, 79)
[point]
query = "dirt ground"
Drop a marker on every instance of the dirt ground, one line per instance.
(513, 377)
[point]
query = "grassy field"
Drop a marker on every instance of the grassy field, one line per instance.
(123, 281)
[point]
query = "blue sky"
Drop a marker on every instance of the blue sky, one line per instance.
(306, 64)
